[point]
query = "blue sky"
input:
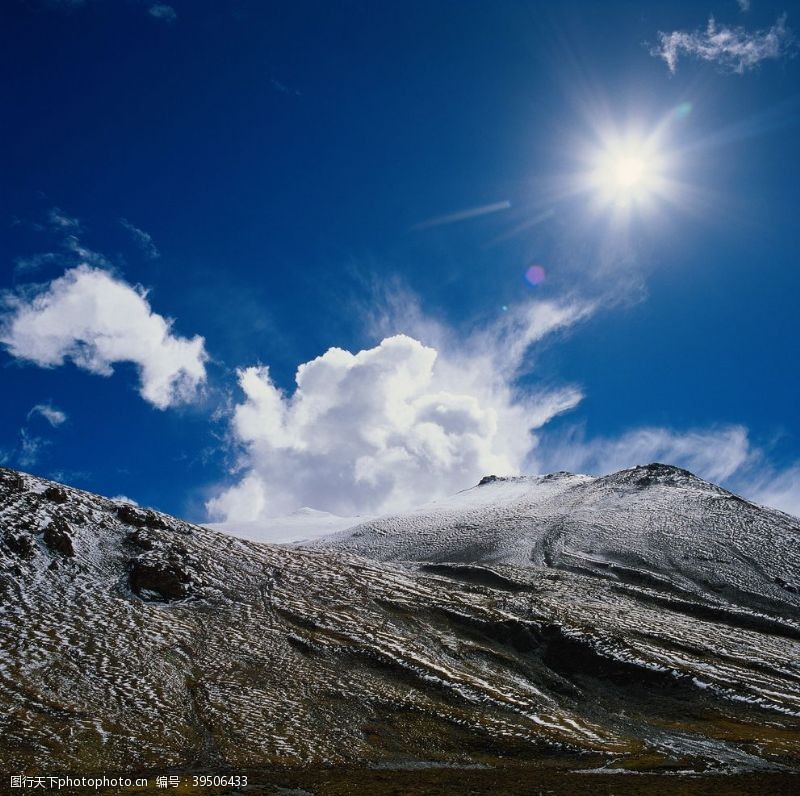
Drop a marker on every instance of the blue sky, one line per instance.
(274, 180)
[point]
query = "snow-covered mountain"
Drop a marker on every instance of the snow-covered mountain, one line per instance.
(643, 621)
(655, 525)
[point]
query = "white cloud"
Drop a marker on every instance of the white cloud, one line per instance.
(394, 425)
(162, 11)
(733, 48)
(723, 455)
(777, 488)
(144, 240)
(124, 499)
(744, 5)
(85, 256)
(55, 417)
(96, 320)
(714, 454)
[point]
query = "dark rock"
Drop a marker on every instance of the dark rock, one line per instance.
(20, 544)
(58, 538)
(784, 585)
(647, 474)
(140, 518)
(152, 520)
(130, 515)
(140, 538)
(490, 479)
(11, 480)
(556, 476)
(167, 580)
(56, 494)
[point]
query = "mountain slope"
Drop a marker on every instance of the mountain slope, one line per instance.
(655, 524)
(130, 640)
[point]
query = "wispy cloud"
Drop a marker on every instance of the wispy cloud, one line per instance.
(744, 5)
(60, 221)
(144, 240)
(774, 487)
(97, 320)
(722, 454)
(84, 255)
(23, 265)
(733, 48)
(29, 448)
(463, 215)
(28, 451)
(715, 453)
(55, 417)
(162, 11)
(282, 88)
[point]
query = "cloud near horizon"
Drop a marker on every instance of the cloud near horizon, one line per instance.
(392, 426)
(722, 454)
(733, 48)
(96, 320)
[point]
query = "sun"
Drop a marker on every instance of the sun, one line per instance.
(625, 172)
(628, 172)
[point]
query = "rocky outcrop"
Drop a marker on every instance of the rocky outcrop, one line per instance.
(140, 518)
(154, 579)
(58, 537)
(56, 494)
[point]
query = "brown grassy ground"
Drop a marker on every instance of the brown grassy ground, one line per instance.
(505, 781)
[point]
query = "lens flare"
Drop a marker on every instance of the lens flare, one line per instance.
(534, 275)
(682, 111)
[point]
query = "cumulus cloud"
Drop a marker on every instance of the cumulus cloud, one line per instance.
(144, 240)
(724, 455)
(163, 12)
(55, 417)
(733, 48)
(96, 320)
(393, 425)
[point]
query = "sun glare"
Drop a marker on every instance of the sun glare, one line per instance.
(626, 172)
